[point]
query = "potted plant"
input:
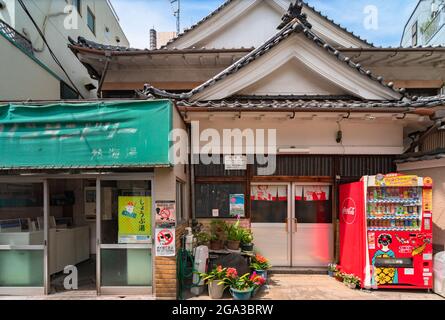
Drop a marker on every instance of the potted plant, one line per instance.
(216, 243)
(213, 280)
(260, 265)
(234, 235)
(203, 238)
(351, 281)
(246, 240)
(258, 282)
(240, 287)
(219, 229)
(332, 269)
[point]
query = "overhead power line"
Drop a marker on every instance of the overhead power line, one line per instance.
(49, 48)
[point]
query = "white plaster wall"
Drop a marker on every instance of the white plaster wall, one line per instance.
(57, 34)
(318, 136)
(293, 78)
(438, 175)
(22, 78)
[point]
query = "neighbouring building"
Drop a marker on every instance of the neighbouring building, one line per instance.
(426, 26)
(28, 69)
(340, 108)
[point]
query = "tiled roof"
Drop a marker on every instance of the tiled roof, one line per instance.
(293, 22)
(228, 2)
(422, 156)
(301, 103)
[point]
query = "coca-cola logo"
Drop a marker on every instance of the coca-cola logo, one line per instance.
(348, 211)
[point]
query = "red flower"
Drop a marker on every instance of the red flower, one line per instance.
(232, 273)
(259, 281)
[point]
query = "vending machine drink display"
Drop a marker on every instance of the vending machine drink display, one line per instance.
(386, 231)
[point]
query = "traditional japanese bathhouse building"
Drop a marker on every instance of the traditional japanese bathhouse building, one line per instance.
(340, 107)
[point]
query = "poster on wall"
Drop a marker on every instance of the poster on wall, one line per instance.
(134, 219)
(166, 213)
(316, 193)
(237, 205)
(165, 242)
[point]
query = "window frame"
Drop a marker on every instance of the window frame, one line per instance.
(181, 212)
(78, 5)
(90, 13)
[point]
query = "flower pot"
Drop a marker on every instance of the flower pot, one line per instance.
(247, 247)
(351, 285)
(216, 245)
(233, 245)
(216, 291)
(330, 273)
(256, 291)
(262, 273)
(241, 294)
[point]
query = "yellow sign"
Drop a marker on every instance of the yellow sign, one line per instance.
(397, 181)
(427, 200)
(134, 219)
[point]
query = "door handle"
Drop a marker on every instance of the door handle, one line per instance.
(295, 227)
(286, 228)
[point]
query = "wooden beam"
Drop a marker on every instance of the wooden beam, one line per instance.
(418, 84)
(112, 86)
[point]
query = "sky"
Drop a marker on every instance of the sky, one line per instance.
(378, 21)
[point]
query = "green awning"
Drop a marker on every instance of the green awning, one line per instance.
(85, 135)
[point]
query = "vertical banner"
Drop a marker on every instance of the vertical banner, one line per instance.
(134, 219)
(165, 242)
(237, 205)
(166, 213)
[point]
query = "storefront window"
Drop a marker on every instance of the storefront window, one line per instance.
(313, 204)
(214, 200)
(126, 233)
(269, 204)
(21, 226)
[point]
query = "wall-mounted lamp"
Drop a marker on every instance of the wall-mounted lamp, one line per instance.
(294, 150)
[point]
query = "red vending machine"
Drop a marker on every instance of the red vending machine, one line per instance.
(386, 231)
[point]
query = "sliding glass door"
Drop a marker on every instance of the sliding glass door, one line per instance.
(23, 237)
(124, 235)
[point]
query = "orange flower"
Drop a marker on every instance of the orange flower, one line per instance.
(219, 268)
(260, 259)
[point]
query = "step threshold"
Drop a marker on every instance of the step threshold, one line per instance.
(299, 270)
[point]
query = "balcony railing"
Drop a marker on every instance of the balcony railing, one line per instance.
(16, 37)
(433, 26)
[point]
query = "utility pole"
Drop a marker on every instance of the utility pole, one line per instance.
(177, 14)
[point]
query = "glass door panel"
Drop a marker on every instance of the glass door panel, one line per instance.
(312, 228)
(22, 238)
(125, 216)
(270, 222)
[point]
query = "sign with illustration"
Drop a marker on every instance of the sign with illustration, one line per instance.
(384, 275)
(237, 205)
(396, 180)
(134, 219)
(165, 242)
(165, 213)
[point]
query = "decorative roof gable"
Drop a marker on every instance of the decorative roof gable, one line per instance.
(295, 41)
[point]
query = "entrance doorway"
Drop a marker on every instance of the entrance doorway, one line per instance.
(292, 223)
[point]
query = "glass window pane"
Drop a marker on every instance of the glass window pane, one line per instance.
(126, 267)
(126, 212)
(314, 208)
(269, 204)
(215, 196)
(22, 268)
(21, 224)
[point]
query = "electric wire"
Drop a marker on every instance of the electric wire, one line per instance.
(49, 48)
